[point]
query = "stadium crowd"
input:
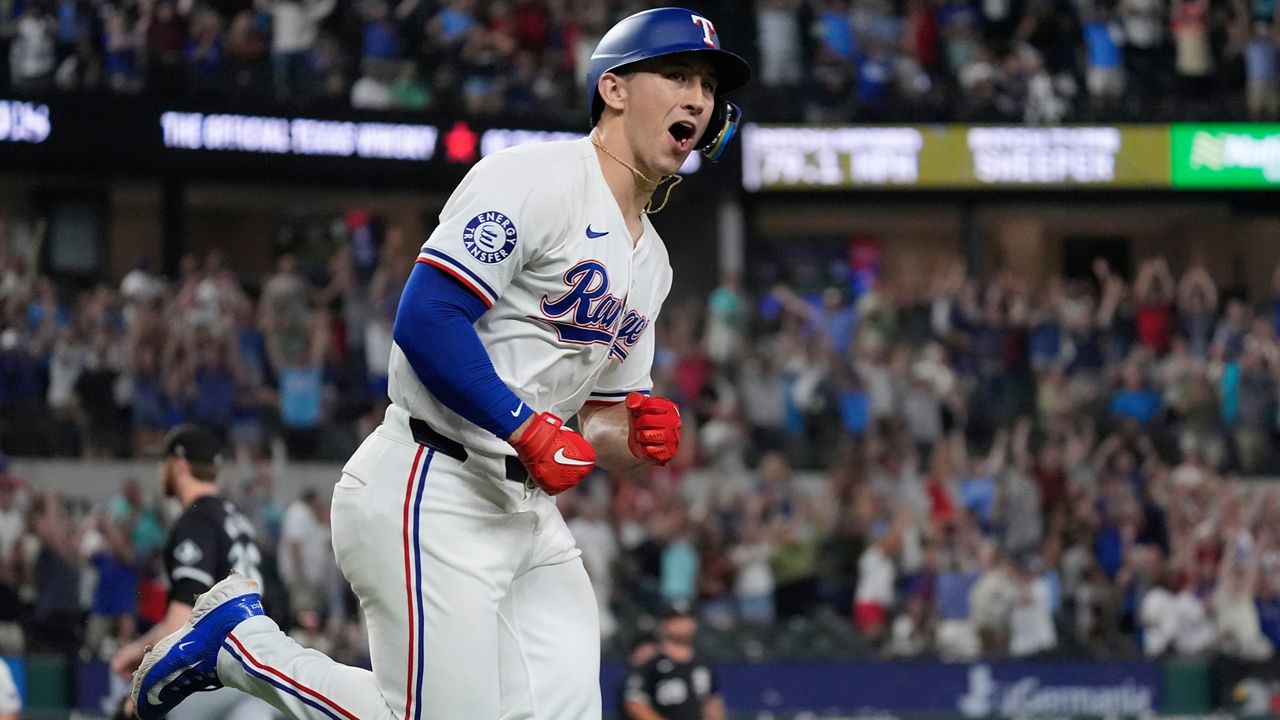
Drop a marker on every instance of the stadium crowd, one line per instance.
(1033, 61)
(993, 469)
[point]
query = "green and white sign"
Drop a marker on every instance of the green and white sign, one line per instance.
(1226, 156)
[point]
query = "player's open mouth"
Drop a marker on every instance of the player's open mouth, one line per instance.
(682, 133)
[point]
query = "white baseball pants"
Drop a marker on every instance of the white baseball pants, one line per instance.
(477, 603)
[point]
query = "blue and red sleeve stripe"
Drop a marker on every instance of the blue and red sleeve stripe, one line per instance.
(469, 279)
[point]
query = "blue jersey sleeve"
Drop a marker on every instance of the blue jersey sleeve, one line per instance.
(435, 328)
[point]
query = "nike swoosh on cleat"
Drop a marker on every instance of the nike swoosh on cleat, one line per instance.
(516, 412)
(593, 234)
(561, 458)
(153, 697)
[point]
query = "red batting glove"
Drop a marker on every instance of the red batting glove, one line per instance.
(654, 428)
(557, 458)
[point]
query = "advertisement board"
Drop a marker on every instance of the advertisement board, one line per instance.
(96, 134)
(1243, 156)
(954, 157)
(961, 157)
(1125, 156)
(916, 689)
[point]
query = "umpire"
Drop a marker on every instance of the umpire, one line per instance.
(674, 685)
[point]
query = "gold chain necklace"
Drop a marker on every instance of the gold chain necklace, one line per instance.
(648, 207)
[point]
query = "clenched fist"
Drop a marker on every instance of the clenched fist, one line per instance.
(653, 428)
(557, 458)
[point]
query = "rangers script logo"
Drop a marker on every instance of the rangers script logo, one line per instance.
(587, 313)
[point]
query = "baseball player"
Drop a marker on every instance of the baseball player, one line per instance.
(209, 540)
(531, 302)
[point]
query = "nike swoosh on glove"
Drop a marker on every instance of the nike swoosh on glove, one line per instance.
(654, 428)
(557, 458)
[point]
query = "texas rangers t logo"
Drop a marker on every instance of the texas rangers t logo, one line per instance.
(708, 30)
(490, 237)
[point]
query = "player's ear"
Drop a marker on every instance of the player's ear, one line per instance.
(613, 90)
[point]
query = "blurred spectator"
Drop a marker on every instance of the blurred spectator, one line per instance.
(1197, 633)
(1031, 627)
(408, 91)
(373, 90)
(120, 46)
(214, 382)
(380, 42)
(993, 599)
(1144, 33)
(13, 522)
(1193, 55)
(778, 29)
(247, 50)
(138, 519)
(679, 568)
(726, 321)
(716, 573)
(837, 61)
(1159, 618)
(53, 566)
(300, 372)
(1105, 79)
(140, 286)
(305, 557)
(285, 300)
(754, 584)
(956, 635)
(95, 395)
(876, 578)
(112, 613)
(31, 53)
(166, 34)
(1133, 400)
(1262, 87)
(294, 27)
(599, 553)
(1239, 629)
(204, 51)
(1268, 599)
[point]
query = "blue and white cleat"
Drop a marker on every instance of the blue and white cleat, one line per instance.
(186, 662)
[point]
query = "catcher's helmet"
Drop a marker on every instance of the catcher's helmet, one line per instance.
(672, 31)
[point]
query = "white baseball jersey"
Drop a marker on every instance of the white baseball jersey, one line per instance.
(473, 590)
(535, 232)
